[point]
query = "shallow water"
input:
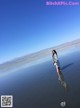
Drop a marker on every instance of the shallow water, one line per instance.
(38, 86)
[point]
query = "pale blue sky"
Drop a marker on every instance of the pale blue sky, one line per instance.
(27, 26)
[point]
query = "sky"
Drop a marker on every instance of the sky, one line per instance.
(28, 26)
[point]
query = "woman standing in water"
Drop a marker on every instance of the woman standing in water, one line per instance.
(55, 60)
(57, 65)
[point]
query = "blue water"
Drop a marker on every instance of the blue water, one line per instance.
(38, 86)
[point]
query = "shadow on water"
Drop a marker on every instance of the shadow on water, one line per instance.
(66, 66)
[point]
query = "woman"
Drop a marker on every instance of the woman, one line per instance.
(57, 65)
(55, 57)
(55, 60)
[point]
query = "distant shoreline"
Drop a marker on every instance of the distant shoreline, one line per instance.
(38, 55)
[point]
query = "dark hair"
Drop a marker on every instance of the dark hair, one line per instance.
(54, 51)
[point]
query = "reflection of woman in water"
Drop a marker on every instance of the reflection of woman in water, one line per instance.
(57, 65)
